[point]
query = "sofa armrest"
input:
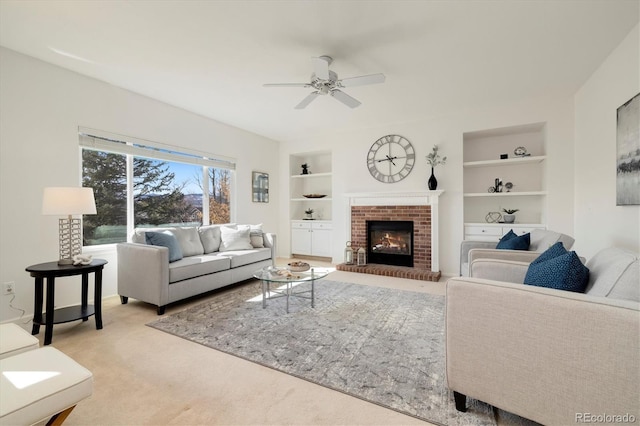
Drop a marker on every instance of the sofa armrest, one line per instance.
(468, 245)
(270, 241)
(143, 272)
(544, 354)
(513, 255)
(499, 270)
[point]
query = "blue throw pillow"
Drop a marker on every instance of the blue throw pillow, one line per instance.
(515, 243)
(509, 235)
(554, 251)
(165, 239)
(557, 268)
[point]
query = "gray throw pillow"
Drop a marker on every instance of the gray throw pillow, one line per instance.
(165, 239)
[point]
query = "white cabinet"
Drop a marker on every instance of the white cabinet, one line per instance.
(311, 238)
(482, 165)
(495, 231)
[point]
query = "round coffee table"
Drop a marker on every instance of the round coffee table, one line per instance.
(287, 281)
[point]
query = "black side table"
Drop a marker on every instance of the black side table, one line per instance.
(50, 271)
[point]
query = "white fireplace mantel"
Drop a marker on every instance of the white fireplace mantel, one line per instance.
(425, 198)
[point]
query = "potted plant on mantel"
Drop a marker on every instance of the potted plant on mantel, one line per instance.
(509, 216)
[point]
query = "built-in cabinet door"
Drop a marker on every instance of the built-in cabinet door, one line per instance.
(300, 240)
(311, 238)
(321, 240)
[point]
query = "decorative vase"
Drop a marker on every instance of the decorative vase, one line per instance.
(509, 218)
(433, 182)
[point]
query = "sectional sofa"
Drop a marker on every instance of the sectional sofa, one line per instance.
(165, 265)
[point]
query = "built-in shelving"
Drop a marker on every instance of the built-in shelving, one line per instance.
(312, 199)
(311, 237)
(505, 162)
(311, 175)
(504, 194)
(482, 165)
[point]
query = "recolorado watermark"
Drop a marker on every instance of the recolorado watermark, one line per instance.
(605, 418)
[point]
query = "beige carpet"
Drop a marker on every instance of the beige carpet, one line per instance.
(143, 376)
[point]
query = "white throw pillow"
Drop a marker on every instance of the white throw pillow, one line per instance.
(235, 239)
(210, 236)
(255, 234)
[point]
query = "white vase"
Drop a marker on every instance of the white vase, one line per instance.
(509, 218)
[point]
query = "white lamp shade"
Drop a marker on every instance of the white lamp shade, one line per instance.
(64, 201)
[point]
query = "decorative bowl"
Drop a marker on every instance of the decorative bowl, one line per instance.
(298, 266)
(314, 195)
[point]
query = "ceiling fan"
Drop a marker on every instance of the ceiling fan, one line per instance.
(326, 82)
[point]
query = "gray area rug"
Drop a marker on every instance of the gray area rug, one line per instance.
(381, 345)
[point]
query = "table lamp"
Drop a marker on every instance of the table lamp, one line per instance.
(68, 201)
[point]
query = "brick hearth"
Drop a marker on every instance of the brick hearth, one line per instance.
(392, 271)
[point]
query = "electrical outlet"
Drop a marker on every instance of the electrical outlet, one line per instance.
(8, 287)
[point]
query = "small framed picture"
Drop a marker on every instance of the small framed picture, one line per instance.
(260, 187)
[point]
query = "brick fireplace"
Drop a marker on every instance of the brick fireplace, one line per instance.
(421, 208)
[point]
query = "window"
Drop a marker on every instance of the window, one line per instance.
(139, 184)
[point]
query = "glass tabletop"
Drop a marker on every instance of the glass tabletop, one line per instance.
(283, 274)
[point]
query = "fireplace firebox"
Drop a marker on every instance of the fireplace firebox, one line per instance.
(390, 242)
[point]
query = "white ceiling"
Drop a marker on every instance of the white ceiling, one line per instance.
(212, 57)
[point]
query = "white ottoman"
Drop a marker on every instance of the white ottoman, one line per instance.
(39, 384)
(14, 340)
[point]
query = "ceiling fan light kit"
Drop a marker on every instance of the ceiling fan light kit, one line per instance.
(326, 82)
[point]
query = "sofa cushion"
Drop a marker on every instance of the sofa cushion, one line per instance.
(614, 273)
(559, 269)
(515, 243)
(189, 240)
(542, 239)
(245, 257)
(165, 239)
(235, 239)
(195, 266)
(210, 236)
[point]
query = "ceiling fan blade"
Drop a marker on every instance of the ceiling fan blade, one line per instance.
(286, 85)
(306, 101)
(321, 67)
(362, 80)
(345, 99)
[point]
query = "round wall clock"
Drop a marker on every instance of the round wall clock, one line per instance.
(391, 158)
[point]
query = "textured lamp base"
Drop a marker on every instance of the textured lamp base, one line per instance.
(70, 236)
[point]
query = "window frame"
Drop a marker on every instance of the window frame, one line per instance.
(130, 147)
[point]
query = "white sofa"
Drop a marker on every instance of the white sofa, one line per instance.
(552, 356)
(209, 261)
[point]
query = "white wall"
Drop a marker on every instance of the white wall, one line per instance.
(599, 222)
(41, 107)
(350, 173)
